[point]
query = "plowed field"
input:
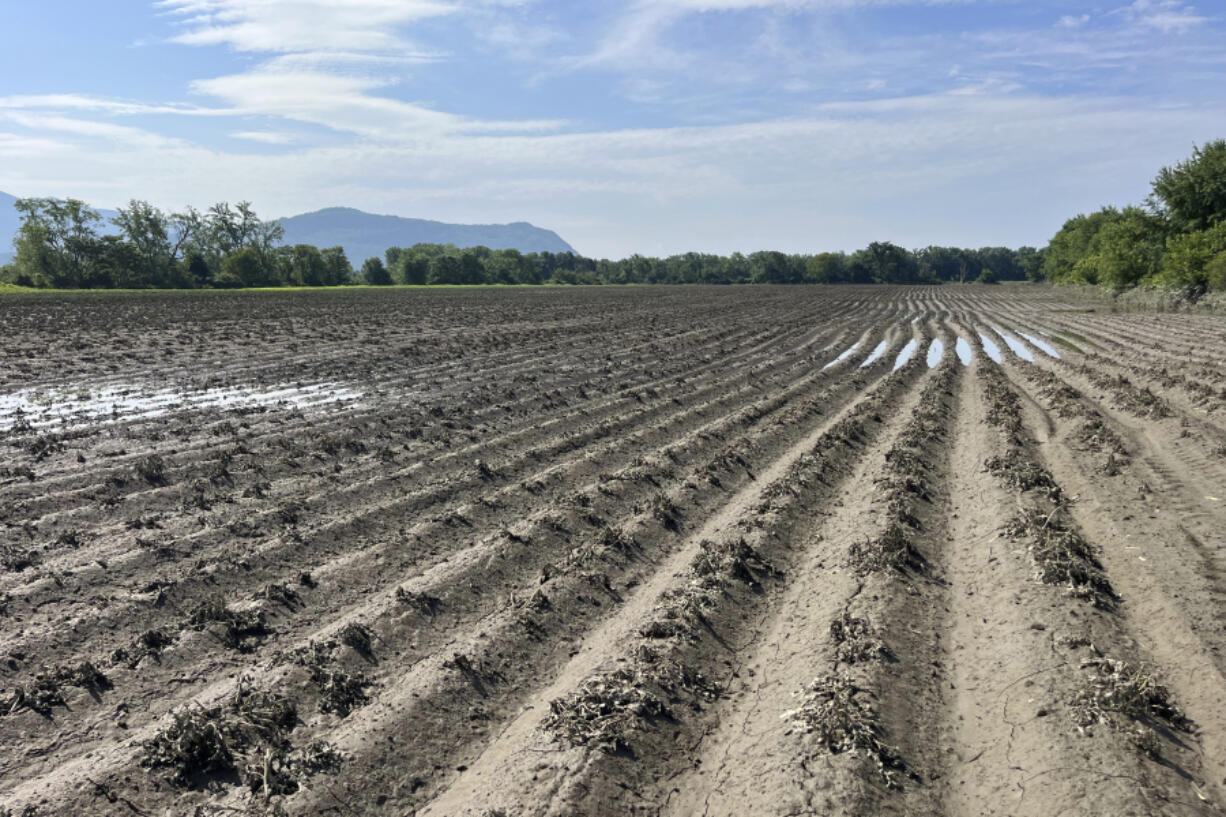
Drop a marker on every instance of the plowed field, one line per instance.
(692, 551)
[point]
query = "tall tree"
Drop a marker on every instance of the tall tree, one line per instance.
(375, 273)
(147, 231)
(1192, 193)
(57, 244)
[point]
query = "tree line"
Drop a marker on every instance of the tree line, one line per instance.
(880, 262)
(61, 245)
(1175, 239)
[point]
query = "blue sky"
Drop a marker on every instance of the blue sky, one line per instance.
(627, 126)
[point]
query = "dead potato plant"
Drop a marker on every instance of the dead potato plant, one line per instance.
(1119, 694)
(238, 630)
(855, 640)
(839, 717)
(718, 563)
(46, 689)
(604, 711)
(1016, 470)
(1062, 555)
(247, 736)
(889, 550)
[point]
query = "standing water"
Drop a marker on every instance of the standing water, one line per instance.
(843, 356)
(877, 352)
(991, 348)
(963, 348)
(936, 351)
(905, 354)
(1016, 345)
(1042, 345)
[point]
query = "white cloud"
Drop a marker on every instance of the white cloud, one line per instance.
(1168, 16)
(984, 161)
(989, 167)
(266, 137)
(1073, 21)
(343, 103)
(81, 102)
(289, 26)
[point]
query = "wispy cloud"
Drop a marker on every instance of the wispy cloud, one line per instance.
(799, 184)
(651, 126)
(301, 26)
(266, 137)
(345, 103)
(1163, 15)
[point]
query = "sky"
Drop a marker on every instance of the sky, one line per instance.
(648, 126)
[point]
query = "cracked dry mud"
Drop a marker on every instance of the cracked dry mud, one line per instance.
(667, 551)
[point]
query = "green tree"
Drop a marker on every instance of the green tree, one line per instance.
(1031, 262)
(1193, 261)
(1192, 193)
(1128, 249)
(890, 264)
(246, 267)
(147, 232)
(472, 270)
(1063, 259)
(57, 244)
(827, 268)
(375, 273)
(337, 270)
(412, 269)
(444, 269)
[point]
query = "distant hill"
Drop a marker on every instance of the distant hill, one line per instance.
(364, 234)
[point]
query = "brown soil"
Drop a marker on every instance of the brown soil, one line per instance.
(605, 552)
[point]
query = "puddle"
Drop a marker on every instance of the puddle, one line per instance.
(992, 350)
(843, 356)
(1017, 346)
(963, 348)
(1042, 345)
(877, 352)
(936, 351)
(76, 408)
(907, 352)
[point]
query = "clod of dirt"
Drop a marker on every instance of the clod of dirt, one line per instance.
(423, 603)
(358, 637)
(340, 692)
(152, 470)
(16, 558)
(281, 594)
(148, 644)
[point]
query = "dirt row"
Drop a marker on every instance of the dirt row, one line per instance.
(692, 551)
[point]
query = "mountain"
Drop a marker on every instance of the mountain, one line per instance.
(364, 235)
